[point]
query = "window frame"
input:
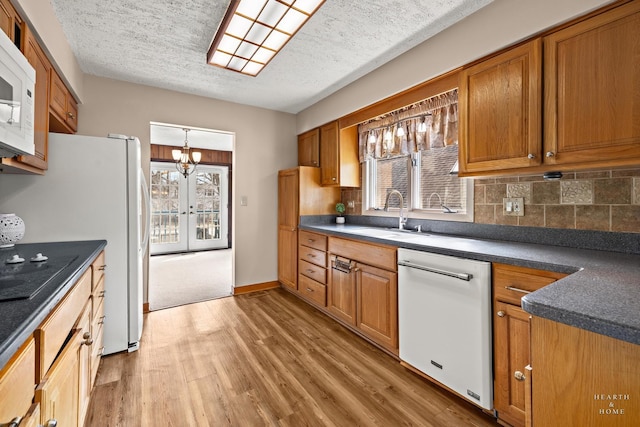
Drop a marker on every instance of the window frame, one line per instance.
(369, 187)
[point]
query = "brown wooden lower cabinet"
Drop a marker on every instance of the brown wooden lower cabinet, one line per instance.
(511, 338)
(341, 301)
(377, 305)
(581, 378)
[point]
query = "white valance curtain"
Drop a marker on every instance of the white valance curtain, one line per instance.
(421, 126)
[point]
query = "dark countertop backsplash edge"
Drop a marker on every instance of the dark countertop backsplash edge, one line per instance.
(628, 243)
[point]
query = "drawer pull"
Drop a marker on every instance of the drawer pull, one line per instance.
(101, 352)
(101, 294)
(311, 255)
(310, 271)
(51, 423)
(102, 267)
(511, 288)
(15, 422)
(87, 339)
(311, 240)
(101, 321)
(309, 290)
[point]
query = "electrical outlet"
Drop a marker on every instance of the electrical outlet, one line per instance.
(513, 206)
(351, 204)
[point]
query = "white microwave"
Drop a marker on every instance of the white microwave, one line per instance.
(17, 90)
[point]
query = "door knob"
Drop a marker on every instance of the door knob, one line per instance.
(550, 154)
(500, 313)
(519, 376)
(531, 156)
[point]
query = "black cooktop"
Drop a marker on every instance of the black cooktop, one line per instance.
(26, 279)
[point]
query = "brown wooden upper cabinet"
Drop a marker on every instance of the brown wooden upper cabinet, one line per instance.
(309, 148)
(500, 111)
(339, 164)
(590, 105)
(10, 21)
(62, 107)
(592, 101)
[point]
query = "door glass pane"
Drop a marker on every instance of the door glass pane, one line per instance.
(165, 202)
(207, 205)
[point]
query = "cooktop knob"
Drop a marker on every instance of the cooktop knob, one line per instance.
(15, 259)
(39, 258)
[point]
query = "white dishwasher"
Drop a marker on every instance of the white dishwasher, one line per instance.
(444, 321)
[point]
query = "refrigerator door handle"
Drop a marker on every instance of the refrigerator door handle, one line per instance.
(147, 206)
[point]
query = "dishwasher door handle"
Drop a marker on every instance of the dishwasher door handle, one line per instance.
(462, 276)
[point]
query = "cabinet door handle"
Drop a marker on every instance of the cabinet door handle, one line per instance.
(500, 313)
(333, 179)
(531, 156)
(511, 288)
(15, 422)
(71, 116)
(550, 154)
(51, 423)
(519, 376)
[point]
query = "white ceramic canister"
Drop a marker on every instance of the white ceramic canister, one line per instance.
(11, 230)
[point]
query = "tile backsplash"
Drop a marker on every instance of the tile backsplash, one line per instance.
(598, 200)
(602, 200)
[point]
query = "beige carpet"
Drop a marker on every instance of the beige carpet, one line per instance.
(179, 279)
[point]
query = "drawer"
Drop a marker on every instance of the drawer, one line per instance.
(97, 270)
(368, 253)
(53, 332)
(312, 271)
(313, 256)
(313, 240)
(17, 382)
(98, 295)
(511, 283)
(312, 290)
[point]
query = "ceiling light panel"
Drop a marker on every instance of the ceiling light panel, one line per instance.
(253, 31)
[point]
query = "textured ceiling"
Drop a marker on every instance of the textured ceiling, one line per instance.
(163, 43)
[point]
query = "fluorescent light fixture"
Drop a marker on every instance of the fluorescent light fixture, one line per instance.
(253, 31)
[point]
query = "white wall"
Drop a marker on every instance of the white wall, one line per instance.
(500, 24)
(265, 143)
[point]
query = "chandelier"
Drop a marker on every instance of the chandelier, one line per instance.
(186, 160)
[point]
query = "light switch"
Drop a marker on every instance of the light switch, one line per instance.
(243, 201)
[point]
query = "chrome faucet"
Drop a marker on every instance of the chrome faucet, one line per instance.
(402, 220)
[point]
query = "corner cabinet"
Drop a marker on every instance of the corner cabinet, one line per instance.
(592, 101)
(500, 111)
(511, 338)
(339, 163)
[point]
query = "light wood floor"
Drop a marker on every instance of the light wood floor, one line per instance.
(263, 359)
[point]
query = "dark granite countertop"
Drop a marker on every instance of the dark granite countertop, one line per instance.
(20, 317)
(600, 294)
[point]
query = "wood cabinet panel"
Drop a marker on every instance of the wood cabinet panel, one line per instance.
(342, 297)
(581, 378)
(592, 110)
(84, 361)
(17, 382)
(500, 111)
(313, 240)
(58, 394)
(372, 254)
(511, 283)
(339, 164)
(41, 64)
(317, 273)
(511, 354)
(8, 19)
(309, 148)
(287, 253)
(312, 290)
(377, 301)
(311, 255)
(32, 417)
(511, 338)
(53, 332)
(62, 106)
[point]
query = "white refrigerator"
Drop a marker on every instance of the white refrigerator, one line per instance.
(94, 189)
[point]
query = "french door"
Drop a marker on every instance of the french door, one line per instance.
(188, 214)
